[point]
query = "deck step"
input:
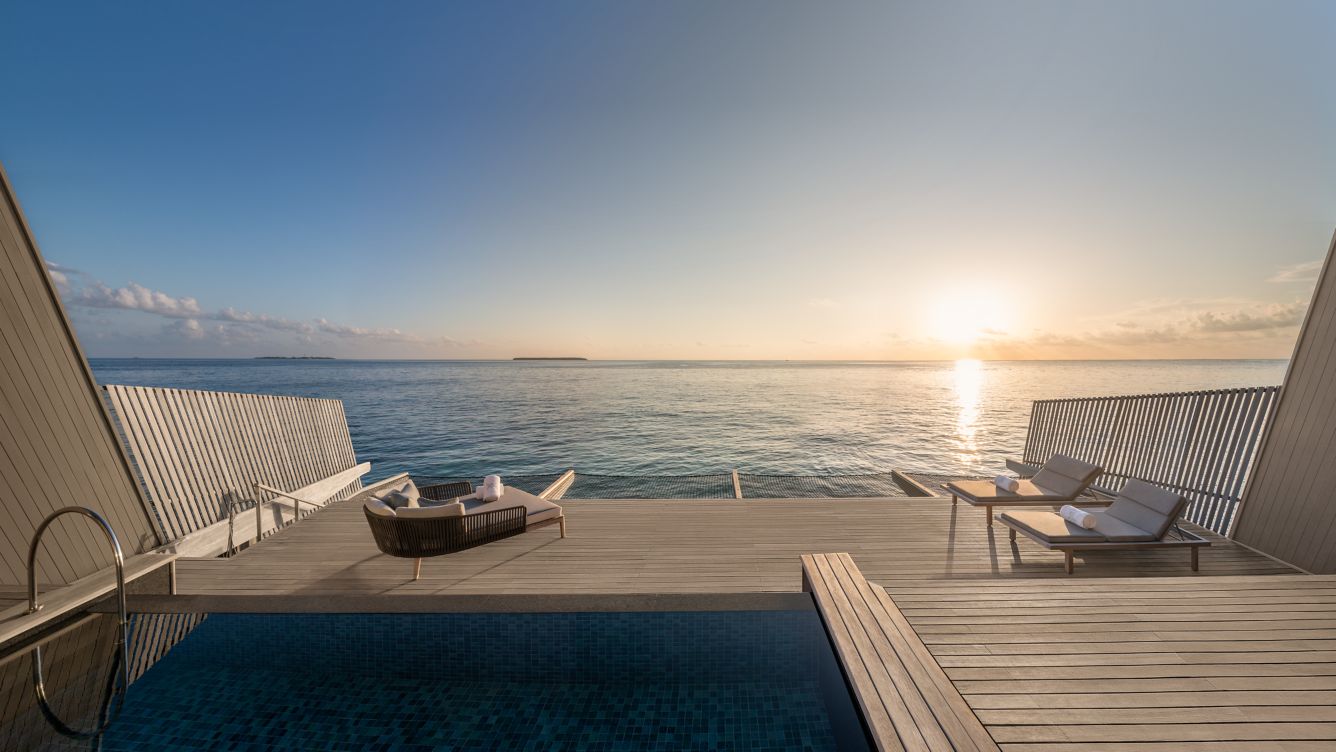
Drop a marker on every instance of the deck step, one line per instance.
(906, 698)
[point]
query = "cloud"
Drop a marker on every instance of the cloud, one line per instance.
(263, 321)
(188, 320)
(1305, 272)
(135, 297)
(1261, 318)
(60, 274)
(1189, 330)
(55, 267)
(62, 281)
(185, 328)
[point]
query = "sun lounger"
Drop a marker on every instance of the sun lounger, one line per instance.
(1142, 516)
(1060, 480)
(422, 530)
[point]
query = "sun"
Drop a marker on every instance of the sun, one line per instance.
(964, 319)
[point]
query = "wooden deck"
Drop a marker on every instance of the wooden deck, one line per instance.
(680, 547)
(1218, 663)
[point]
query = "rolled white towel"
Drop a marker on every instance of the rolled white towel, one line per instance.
(1007, 483)
(1078, 517)
(491, 489)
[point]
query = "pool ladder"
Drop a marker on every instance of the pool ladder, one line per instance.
(113, 695)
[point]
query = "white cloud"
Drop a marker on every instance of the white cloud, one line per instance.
(135, 297)
(1257, 318)
(1189, 328)
(263, 321)
(230, 325)
(60, 274)
(1305, 272)
(185, 328)
(62, 281)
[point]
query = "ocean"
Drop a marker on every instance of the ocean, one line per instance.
(469, 418)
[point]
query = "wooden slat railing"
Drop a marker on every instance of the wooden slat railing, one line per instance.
(1201, 444)
(198, 452)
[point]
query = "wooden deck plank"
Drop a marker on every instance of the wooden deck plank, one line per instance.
(896, 681)
(883, 708)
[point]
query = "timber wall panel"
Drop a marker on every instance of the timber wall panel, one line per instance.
(57, 444)
(1289, 509)
(196, 452)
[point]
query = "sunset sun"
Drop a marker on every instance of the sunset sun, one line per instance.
(965, 319)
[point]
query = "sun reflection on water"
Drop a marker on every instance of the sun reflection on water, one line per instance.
(968, 384)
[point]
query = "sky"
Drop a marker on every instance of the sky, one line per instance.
(685, 180)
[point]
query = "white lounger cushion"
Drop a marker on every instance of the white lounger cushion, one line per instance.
(1065, 477)
(1141, 513)
(987, 490)
(1060, 479)
(1148, 507)
(1049, 527)
(453, 509)
(536, 509)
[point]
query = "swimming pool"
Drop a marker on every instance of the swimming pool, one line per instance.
(675, 680)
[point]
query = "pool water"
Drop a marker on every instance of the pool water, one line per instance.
(738, 680)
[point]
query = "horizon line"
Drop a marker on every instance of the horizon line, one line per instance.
(308, 359)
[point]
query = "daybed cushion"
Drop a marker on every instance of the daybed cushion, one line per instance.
(379, 507)
(1148, 507)
(453, 509)
(537, 510)
(1065, 476)
(401, 495)
(1050, 527)
(986, 491)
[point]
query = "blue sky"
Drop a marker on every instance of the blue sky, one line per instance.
(677, 180)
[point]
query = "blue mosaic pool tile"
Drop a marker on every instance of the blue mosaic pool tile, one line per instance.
(606, 682)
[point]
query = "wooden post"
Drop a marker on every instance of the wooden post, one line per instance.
(737, 486)
(561, 523)
(912, 486)
(1068, 563)
(559, 486)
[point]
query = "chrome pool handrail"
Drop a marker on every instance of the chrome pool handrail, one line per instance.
(123, 655)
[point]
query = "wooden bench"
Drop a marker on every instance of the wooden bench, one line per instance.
(906, 699)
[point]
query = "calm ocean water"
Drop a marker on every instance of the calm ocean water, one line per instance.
(660, 418)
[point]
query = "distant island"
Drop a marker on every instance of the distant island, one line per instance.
(293, 357)
(561, 358)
